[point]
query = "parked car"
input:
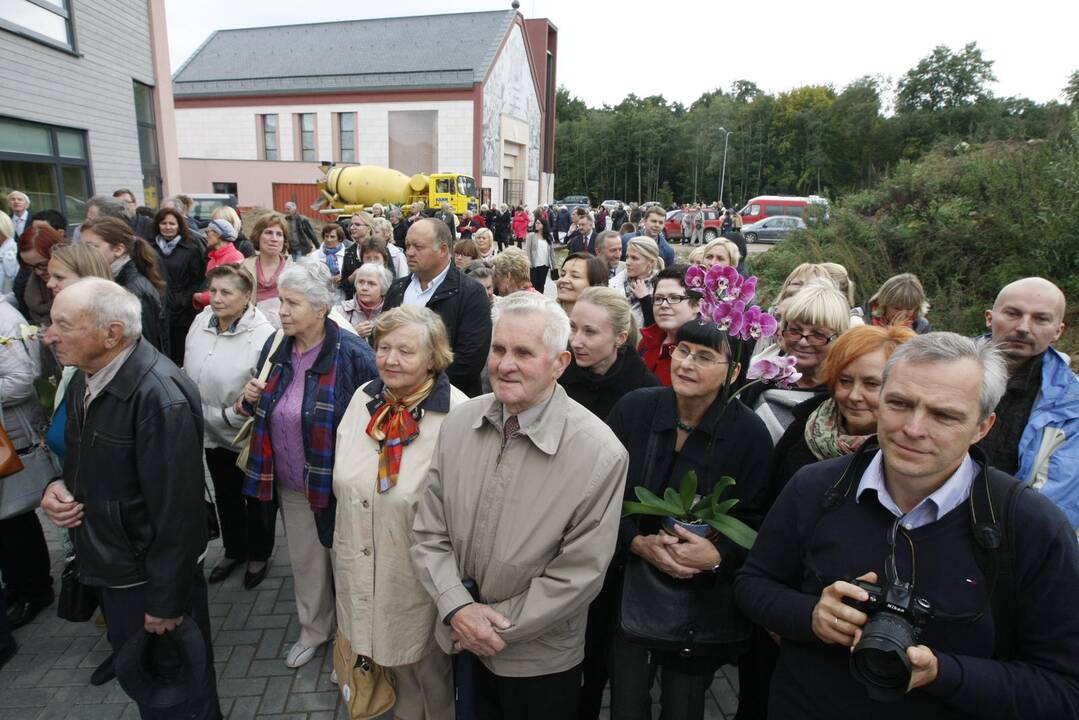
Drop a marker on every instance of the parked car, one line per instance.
(713, 223)
(766, 206)
(611, 205)
(575, 201)
(772, 230)
(205, 204)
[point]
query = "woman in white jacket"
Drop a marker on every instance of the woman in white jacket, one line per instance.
(222, 351)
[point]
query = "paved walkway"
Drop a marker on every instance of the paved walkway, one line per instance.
(49, 678)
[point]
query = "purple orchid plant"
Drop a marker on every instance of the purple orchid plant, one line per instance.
(726, 299)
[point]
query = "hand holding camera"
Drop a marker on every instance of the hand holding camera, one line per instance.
(835, 620)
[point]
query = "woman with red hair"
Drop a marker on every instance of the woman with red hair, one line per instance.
(35, 251)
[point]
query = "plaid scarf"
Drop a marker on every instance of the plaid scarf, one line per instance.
(318, 448)
(824, 434)
(393, 426)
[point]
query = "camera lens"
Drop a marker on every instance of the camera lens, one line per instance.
(879, 661)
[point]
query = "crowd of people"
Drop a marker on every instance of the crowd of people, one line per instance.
(864, 515)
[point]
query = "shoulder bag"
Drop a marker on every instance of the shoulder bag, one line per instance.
(243, 437)
(366, 686)
(32, 470)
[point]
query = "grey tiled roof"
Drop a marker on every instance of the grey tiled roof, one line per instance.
(432, 51)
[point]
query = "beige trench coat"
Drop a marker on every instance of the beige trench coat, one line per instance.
(382, 608)
(534, 524)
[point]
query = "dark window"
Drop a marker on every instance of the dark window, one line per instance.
(47, 21)
(770, 210)
(795, 210)
(50, 164)
(147, 129)
(307, 136)
(346, 136)
(269, 137)
(226, 188)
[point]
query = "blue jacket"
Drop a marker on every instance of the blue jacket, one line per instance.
(665, 250)
(1049, 447)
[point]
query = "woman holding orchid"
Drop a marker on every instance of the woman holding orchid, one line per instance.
(696, 425)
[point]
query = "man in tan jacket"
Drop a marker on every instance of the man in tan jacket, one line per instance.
(523, 497)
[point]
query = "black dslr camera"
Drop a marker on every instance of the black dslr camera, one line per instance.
(896, 620)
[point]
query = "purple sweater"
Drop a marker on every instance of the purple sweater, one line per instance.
(286, 430)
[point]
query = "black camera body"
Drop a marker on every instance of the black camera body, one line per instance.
(896, 619)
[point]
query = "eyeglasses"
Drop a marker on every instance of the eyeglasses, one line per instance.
(816, 339)
(668, 299)
(704, 360)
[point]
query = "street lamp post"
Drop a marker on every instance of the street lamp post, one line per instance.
(723, 173)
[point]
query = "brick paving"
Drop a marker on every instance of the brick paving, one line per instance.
(49, 678)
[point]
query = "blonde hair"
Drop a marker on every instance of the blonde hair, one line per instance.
(841, 278)
(696, 255)
(512, 263)
(819, 303)
(7, 226)
(485, 232)
(432, 329)
(900, 292)
(230, 216)
(82, 260)
(733, 255)
(650, 249)
(806, 272)
(381, 225)
(618, 311)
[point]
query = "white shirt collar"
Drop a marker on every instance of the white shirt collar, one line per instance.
(416, 295)
(954, 491)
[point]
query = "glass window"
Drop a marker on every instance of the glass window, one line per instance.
(466, 185)
(24, 138)
(307, 136)
(47, 20)
(413, 139)
(269, 137)
(773, 210)
(346, 139)
(443, 185)
(71, 144)
(144, 103)
(36, 179)
(76, 193)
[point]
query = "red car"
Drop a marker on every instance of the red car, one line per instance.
(712, 224)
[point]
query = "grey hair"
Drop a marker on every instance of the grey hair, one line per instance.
(110, 303)
(311, 279)
(108, 207)
(21, 194)
(556, 330)
(951, 347)
(381, 273)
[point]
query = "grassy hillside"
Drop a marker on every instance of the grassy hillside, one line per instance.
(966, 220)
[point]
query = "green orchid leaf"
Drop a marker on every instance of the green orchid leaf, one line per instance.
(648, 497)
(673, 498)
(636, 508)
(735, 529)
(722, 508)
(688, 489)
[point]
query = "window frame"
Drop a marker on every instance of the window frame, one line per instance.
(57, 161)
(67, 13)
(261, 126)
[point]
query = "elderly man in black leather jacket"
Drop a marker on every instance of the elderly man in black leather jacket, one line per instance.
(132, 492)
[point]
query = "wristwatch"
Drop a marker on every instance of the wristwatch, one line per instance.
(715, 568)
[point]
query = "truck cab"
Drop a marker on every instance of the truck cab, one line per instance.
(457, 190)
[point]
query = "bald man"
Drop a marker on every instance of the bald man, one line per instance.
(1036, 435)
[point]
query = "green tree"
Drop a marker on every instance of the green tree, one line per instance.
(1071, 91)
(945, 80)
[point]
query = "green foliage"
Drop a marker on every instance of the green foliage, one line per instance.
(1071, 91)
(686, 506)
(945, 80)
(966, 220)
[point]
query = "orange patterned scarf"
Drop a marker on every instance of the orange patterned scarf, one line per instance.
(393, 426)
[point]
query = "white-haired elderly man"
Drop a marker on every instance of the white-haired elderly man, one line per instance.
(301, 233)
(993, 570)
(19, 202)
(522, 509)
(132, 491)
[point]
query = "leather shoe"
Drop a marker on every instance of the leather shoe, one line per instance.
(223, 570)
(252, 579)
(104, 672)
(299, 655)
(24, 611)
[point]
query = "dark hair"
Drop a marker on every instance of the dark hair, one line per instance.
(271, 219)
(54, 218)
(705, 332)
(232, 272)
(627, 227)
(594, 268)
(333, 228)
(123, 191)
(146, 212)
(466, 247)
(117, 232)
(373, 244)
(162, 214)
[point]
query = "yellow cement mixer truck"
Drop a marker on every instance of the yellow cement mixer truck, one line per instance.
(349, 188)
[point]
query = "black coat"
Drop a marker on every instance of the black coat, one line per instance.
(576, 242)
(400, 230)
(185, 271)
(462, 304)
(155, 325)
(503, 221)
(350, 263)
(135, 463)
(599, 393)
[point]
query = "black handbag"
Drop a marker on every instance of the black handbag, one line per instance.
(213, 527)
(77, 601)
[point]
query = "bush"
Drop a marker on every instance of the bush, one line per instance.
(967, 221)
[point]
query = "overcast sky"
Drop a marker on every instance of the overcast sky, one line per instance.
(681, 48)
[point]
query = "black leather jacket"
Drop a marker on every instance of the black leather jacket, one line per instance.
(135, 462)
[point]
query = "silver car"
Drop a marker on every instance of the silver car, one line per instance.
(773, 229)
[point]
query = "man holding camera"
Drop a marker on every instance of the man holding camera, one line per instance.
(910, 580)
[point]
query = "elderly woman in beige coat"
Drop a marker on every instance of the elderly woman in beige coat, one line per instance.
(384, 446)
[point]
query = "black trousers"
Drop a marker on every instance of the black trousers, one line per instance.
(538, 276)
(633, 670)
(247, 525)
(177, 341)
(24, 559)
(544, 697)
(597, 646)
(125, 609)
(755, 670)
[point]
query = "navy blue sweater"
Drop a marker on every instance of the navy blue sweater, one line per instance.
(777, 588)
